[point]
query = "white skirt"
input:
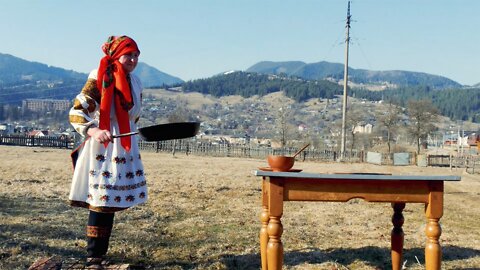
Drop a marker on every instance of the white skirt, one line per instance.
(108, 179)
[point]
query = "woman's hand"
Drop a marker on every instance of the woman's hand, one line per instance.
(100, 135)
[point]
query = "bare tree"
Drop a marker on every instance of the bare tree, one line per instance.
(282, 125)
(423, 115)
(390, 120)
(179, 115)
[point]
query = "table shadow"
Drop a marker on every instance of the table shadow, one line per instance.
(372, 256)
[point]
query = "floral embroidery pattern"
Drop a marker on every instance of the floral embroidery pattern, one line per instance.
(119, 187)
(109, 77)
(120, 160)
(114, 192)
(124, 104)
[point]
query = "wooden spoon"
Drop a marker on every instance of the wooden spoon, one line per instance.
(299, 151)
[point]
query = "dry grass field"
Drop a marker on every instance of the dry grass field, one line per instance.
(203, 213)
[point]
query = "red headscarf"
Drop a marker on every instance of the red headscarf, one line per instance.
(113, 85)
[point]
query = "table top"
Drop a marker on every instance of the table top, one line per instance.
(358, 176)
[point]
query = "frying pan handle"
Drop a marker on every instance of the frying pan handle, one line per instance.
(125, 134)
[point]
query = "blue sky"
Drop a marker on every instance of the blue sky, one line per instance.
(194, 39)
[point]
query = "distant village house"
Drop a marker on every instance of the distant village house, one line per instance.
(363, 128)
(38, 133)
(46, 105)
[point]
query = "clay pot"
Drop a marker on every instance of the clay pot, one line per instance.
(280, 163)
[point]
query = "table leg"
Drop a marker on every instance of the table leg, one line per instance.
(275, 246)
(275, 228)
(433, 212)
(397, 236)
(433, 250)
(264, 237)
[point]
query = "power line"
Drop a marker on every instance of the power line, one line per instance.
(363, 53)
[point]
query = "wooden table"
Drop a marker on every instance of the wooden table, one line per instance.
(278, 187)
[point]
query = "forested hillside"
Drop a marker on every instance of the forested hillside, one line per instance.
(14, 70)
(248, 84)
(458, 104)
(21, 79)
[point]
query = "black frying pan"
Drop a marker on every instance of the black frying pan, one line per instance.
(155, 133)
(165, 132)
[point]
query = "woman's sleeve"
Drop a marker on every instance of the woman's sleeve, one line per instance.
(137, 84)
(85, 104)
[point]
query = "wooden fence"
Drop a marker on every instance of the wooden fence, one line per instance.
(44, 141)
(439, 160)
(191, 146)
(201, 148)
(471, 163)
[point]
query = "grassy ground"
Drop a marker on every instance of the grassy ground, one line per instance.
(203, 213)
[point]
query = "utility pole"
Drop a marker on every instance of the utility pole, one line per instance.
(345, 86)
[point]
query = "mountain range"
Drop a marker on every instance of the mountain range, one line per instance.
(334, 71)
(17, 71)
(152, 77)
(20, 79)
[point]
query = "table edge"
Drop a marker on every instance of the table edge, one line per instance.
(354, 176)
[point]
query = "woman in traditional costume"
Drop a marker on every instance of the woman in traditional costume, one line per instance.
(108, 172)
